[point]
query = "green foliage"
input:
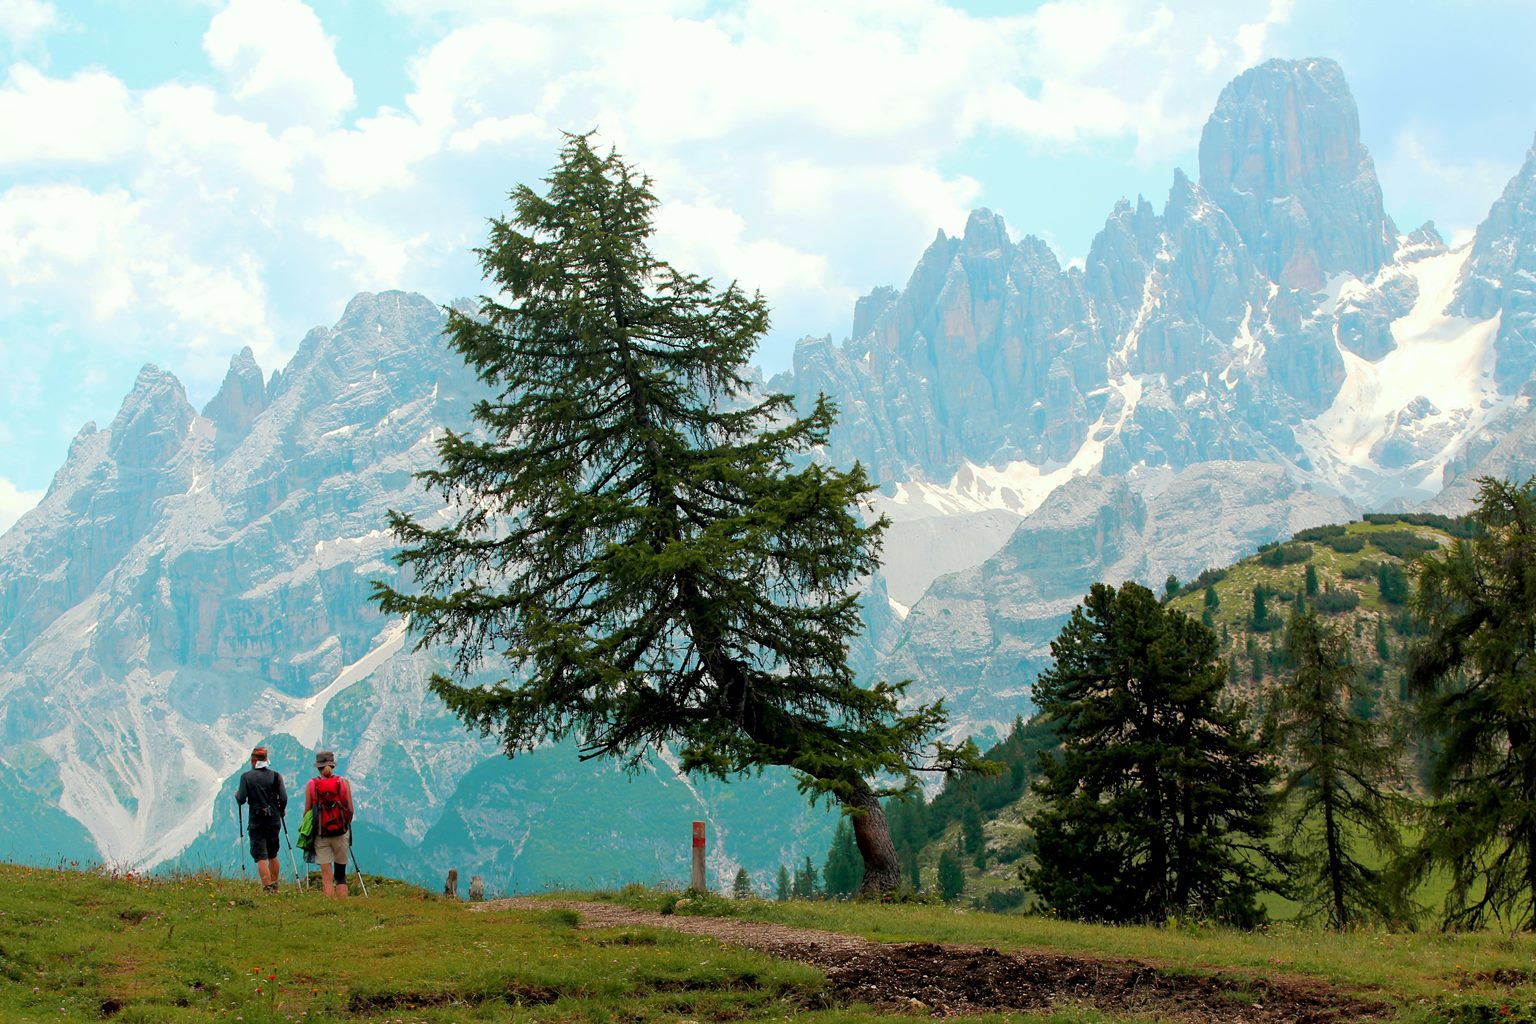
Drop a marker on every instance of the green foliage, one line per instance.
(1311, 580)
(1263, 620)
(1170, 587)
(1212, 599)
(1458, 526)
(1393, 583)
(1473, 677)
(951, 876)
(1284, 554)
(844, 870)
(741, 888)
(1339, 783)
(1333, 602)
(1402, 544)
(1158, 801)
(1321, 533)
(804, 887)
(783, 886)
(1346, 544)
(631, 538)
(972, 834)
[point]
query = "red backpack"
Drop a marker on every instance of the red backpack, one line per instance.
(332, 815)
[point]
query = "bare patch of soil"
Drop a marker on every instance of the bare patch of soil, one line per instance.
(925, 977)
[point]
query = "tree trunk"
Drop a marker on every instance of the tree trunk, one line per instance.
(882, 866)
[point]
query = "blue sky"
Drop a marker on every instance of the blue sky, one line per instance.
(182, 179)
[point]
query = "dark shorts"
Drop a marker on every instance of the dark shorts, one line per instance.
(264, 844)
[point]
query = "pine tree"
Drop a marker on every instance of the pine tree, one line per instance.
(844, 870)
(1473, 678)
(911, 869)
(783, 885)
(630, 532)
(805, 881)
(972, 827)
(1310, 584)
(951, 876)
(742, 888)
(1212, 599)
(1338, 789)
(1157, 803)
(1260, 620)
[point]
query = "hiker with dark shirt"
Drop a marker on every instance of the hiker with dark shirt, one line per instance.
(262, 788)
(329, 797)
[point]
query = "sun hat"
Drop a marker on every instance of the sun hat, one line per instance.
(325, 757)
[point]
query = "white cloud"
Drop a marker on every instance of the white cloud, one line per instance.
(15, 503)
(86, 119)
(105, 255)
(23, 22)
(279, 62)
(381, 153)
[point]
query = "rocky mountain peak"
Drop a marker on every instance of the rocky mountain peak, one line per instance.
(1281, 154)
(152, 422)
(240, 399)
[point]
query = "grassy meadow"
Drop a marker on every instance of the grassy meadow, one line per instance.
(93, 946)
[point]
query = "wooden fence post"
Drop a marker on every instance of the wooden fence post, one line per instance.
(698, 857)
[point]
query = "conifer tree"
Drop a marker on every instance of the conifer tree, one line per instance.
(844, 870)
(951, 876)
(1339, 786)
(1473, 677)
(805, 881)
(741, 888)
(1310, 582)
(631, 540)
(1157, 803)
(972, 827)
(783, 886)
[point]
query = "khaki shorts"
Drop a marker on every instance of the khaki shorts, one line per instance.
(333, 849)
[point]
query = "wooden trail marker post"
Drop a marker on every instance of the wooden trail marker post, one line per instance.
(698, 857)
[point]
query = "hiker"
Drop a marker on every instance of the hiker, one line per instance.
(329, 798)
(262, 788)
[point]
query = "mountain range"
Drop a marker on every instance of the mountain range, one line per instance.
(1268, 352)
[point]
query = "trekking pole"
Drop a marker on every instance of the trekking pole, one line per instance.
(291, 858)
(240, 829)
(357, 867)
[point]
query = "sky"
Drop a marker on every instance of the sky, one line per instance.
(183, 179)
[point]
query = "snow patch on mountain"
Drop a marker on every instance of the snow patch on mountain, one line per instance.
(1397, 420)
(306, 726)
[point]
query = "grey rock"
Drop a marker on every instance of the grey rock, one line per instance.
(1282, 155)
(1499, 278)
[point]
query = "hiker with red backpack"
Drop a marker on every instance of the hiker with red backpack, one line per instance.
(329, 799)
(263, 789)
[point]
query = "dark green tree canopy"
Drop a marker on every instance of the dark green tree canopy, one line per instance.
(1158, 802)
(1339, 786)
(1473, 677)
(639, 548)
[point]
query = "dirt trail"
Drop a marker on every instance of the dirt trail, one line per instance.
(943, 980)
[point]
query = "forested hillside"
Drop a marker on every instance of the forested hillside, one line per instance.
(971, 840)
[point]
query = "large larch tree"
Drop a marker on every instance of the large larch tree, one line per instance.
(638, 549)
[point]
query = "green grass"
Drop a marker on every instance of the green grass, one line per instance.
(81, 946)
(76, 946)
